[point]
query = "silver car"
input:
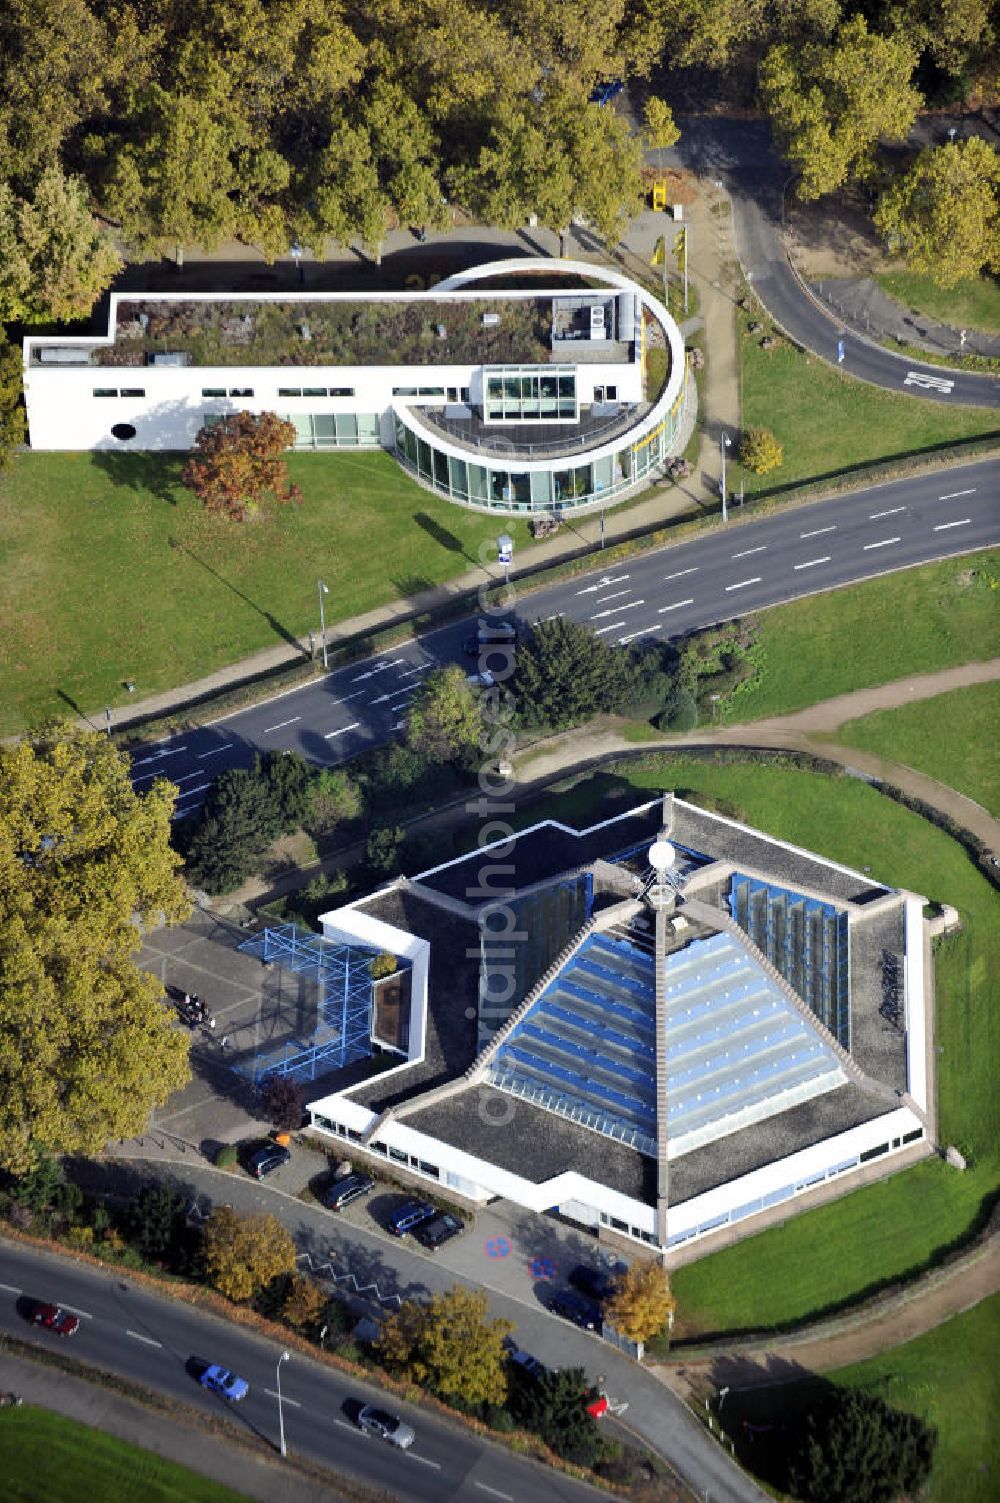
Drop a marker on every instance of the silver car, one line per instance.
(386, 1426)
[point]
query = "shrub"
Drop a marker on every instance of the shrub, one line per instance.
(760, 451)
(680, 712)
(283, 1101)
(226, 1157)
(383, 965)
(382, 849)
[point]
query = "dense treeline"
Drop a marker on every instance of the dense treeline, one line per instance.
(188, 122)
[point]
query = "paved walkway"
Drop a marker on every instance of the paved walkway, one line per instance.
(861, 302)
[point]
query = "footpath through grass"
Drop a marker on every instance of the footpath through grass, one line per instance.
(826, 424)
(110, 570)
(953, 737)
(890, 1230)
(973, 304)
(49, 1459)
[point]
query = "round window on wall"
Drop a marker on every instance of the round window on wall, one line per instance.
(123, 431)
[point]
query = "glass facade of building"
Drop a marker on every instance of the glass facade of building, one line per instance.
(329, 430)
(515, 394)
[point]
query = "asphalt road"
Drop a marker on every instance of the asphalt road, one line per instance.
(161, 1344)
(655, 596)
(738, 154)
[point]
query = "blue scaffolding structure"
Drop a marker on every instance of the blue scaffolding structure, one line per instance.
(343, 1016)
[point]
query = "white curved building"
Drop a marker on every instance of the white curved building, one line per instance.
(518, 386)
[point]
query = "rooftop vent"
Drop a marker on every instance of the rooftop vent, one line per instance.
(490, 320)
(442, 332)
(62, 355)
(305, 331)
(170, 357)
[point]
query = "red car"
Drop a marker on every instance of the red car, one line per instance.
(55, 1318)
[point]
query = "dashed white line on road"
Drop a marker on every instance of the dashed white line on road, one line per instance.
(615, 595)
(171, 752)
(812, 562)
(11, 1288)
(873, 516)
(632, 605)
(83, 1314)
(293, 1403)
(348, 696)
(943, 526)
(818, 532)
(554, 617)
(186, 777)
(424, 668)
(138, 1336)
(494, 1492)
(402, 699)
(352, 727)
(952, 494)
(742, 583)
(281, 725)
(883, 543)
(613, 627)
(345, 1426)
(680, 573)
(642, 632)
(747, 551)
(189, 794)
(675, 607)
(213, 753)
(424, 1460)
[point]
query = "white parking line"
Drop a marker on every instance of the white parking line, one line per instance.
(747, 551)
(884, 543)
(293, 1403)
(818, 532)
(186, 777)
(812, 562)
(742, 583)
(613, 627)
(943, 526)
(952, 494)
(675, 607)
(494, 1492)
(281, 725)
(213, 753)
(680, 573)
(352, 727)
(138, 1336)
(873, 516)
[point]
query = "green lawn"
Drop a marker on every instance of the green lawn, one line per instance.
(894, 1228)
(913, 622)
(923, 736)
(109, 570)
(827, 425)
(48, 1459)
(974, 304)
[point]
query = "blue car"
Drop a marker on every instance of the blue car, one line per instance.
(410, 1214)
(220, 1380)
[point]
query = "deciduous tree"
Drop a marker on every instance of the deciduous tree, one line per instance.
(55, 260)
(243, 1253)
(760, 451)
(444, 720)
(333, 797)
(157, 1218)
(304, 1302)
(238, 461)
(449, 1346)
(12, 425)
(86, 1047)
(944, 211)
(660, 128)
(642, 1302)
(283, 1101)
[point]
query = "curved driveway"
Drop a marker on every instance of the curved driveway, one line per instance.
(739, 154)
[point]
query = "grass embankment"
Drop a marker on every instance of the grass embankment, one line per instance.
(973, 304)
(49, 1459)
(827, 425)
(891, 1230)
(953, 737)
(917, 621)
(110, 570)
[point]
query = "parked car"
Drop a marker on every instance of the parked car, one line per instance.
(220, 1380)
(529, 1364)
(408, 1215)
(386, 1426)
(440, 1228)
(595, 1283)
(265, 1159)
(340, 1194)
(575, 1307)
(490, 634)
(55, 1318)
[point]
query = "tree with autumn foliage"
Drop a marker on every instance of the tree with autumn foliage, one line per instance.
(448, 1346)
(642, 1302)
(238, 461)
(86, 1047)
(244, 1253)
(304, 1302)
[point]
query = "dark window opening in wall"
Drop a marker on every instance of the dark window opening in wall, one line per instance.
(452, 393)
(241, 391)
(283, 391)
(399, 1156)
(873, 1153)
(123, 431)
(914, 1136)
(354, 1135)
(133, 391)
(213, 391)
(618, 1226)
(466, 394)
(341, 391)
(431, 1169)
(314, 391)
(611, 393)
(105, 391)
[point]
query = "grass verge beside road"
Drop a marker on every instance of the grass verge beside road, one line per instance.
(895, 1228)
(973, 304)
(49, 1459)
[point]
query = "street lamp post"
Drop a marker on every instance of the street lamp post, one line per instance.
(281, 1418)
(724, 445)
(322, 590)
(297, 258)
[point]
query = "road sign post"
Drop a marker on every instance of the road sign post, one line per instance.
(505, 554)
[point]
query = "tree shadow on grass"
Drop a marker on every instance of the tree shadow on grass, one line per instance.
(159, 474)
(442, 536)
(276, 626)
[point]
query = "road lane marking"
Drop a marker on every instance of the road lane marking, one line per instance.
(681, 573)
(642, 632)
(494, 1492)
(662, 610)
(352, 727)
(347, 697)
(424, 1460)
(83, 1314)
(11, 1288)
(186, 777)
(742, 584)
(812, 562)
(281, 725)
(189, 794)
(928, 383)
(345, 1425)
(172, 752)
(818, 532)
(213, 753)
(632, 606)
(952, 494)
(602, 584)
(873, 516)
(293, 1403)
(554, 617)
(424, 668)
(615, 595)
(943, 526)
(613, 627)
(138, 1336)
(883, 543)
(747, 551)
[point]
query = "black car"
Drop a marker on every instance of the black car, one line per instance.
(438, 1229)
(595, 1283)
(572, 1306)
(340, 1194)
(265, 1159)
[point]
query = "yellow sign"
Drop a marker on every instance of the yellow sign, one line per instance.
(658, 254)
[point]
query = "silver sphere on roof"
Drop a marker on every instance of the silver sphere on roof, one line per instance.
(662, 856)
